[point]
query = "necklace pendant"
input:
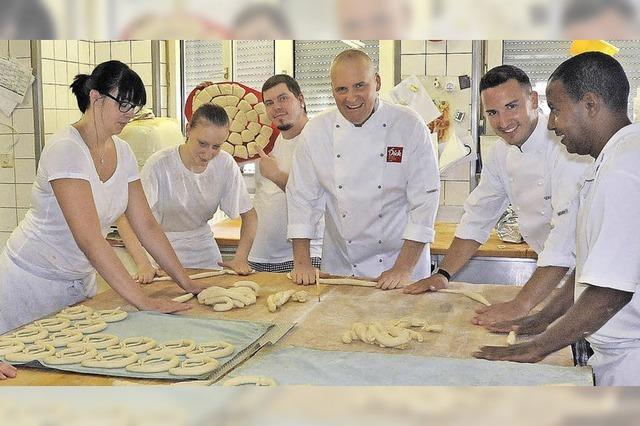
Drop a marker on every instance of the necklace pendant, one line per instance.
(102, 161)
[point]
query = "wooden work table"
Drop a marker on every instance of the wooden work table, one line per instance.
(227, 233)
(320, 325)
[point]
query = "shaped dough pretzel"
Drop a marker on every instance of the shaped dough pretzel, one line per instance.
(75, 312)
(29, 334)
(217, 349)
(53, 324)
(135, 344)
(61, 338)
(117, 358)
(195, 367)
(250, 380)
(110, 315)
(249, 284)
(9, 345)
(89, 326)
(155, 363)
(98, 341)
(175, 347)
(72, 355)
(31, 353)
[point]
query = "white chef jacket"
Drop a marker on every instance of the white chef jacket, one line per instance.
(183, 201)
(370, 204)
(541, 181)
(42, 269)
(271, 244)
(608, 253)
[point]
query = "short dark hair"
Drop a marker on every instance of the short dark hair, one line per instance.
(291, 83)
(503, 73)
(213, 113)
(272, 13)
(597, 73)
(106, 77)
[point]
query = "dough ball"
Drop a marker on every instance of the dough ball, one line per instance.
(232, 100)
(260, 108)
(225, 89)
(231, 111)
(262, 141)
(267, 131)
(237, 125)
(235, 138)
(264, 119)
(244, 106)
(202, 97)
(212, 90)
(252, 149)
(219, 100)
(251, 98)
(254, 127)
(227, 147)
(247, 135)
(241, 152)
(238, 91)
(252, 116)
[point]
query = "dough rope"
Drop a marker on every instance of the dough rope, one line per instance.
(31, 353)
(470, 294)
(250, 380)
(343, 281)
(154, 363)
(75, 312)
(195, 367)
(200, 275)
(72, 355)
(183, 298)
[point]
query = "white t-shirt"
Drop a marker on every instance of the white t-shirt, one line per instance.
(271, 244)
(541, 181)
(608, 245)
(183, 202)
(42, 243)
(377, 185)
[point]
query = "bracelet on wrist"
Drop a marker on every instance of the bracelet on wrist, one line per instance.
(444, 273)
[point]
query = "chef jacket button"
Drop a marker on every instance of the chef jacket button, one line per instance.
(380, 215)
(379, 241)
(344, 215)
(349, 241)
(542, 212)
(337, 126)
(355, 266)
(338, 155)
(384, 125)
(381, 154)
(339, 186)
(379, 186)
(380, 260)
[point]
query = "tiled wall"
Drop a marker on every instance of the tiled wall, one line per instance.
(61, 61)
(452, 58)
(15, 181)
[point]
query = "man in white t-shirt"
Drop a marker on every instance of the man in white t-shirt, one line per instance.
(530, 169)
(588, 96)
(271, 250)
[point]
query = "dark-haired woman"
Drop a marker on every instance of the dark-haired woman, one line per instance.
(87, 178)
(186, 184)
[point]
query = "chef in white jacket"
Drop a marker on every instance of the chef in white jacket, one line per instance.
(588, 96)
(529, 168)
(369, 167)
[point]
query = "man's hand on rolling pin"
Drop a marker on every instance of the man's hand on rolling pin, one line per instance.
(499, 312)
(7, 371)
(433, 283)
(165, 306)
(303, 274)
(522, 352)
(533, 324)
(146, 274)
(393, 278)
(240, 266)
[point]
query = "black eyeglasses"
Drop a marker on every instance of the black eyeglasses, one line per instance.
(125, 106)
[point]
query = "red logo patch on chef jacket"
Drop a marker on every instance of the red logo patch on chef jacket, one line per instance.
(394, 154)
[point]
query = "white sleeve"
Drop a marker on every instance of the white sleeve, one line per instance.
(305, 196)
(423, 188)
(65, 158)
(485, 204)
(130, 163)
(567, 176)
(613, 260)
(235, 199)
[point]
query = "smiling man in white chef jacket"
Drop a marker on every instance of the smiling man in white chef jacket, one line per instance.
(529, 168)
(369, 167)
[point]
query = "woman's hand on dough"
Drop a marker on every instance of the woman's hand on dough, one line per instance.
(303, 274)
(165, 306)
(146, 274)
(433, 283)
(393, 279)
(240, 266)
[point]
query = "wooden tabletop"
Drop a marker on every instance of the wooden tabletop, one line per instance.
(320, 325)
(227, 233)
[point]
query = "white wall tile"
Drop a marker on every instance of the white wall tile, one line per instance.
(48, 95)
(25, 146)
(4, 48)
(28, 99)
(103, 52)
(163, 75)
(140, 51)
(48, 71)
(458, 173)
(60, 49)
(83, 52)
(7, 175)
(46, 47)
(23, 120)
(49, 120)
(459, 64)
(73, 69)
(86, 69)
(121, 51)
(72, 100)
(23, 195)
(21, 213)
(72, 50)
(149, 91)
(7, 195)
(412, 64)
(4, 130)
(25, 171)
(62, 97)
(4, 237)
(436, 46)
(92, 53)
(456, 193)
(145, 72)
(61, 72)
(20, 49)
(458, 46)
(6, 143)
(412, 46)
(62, 119)
(436, 64)
(8, 219)
(74, 115)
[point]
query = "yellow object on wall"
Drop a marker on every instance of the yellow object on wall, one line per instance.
(581, 46)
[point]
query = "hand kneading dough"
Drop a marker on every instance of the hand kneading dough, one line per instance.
(241, 151)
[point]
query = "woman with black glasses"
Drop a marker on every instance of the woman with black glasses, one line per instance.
(87, 178)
